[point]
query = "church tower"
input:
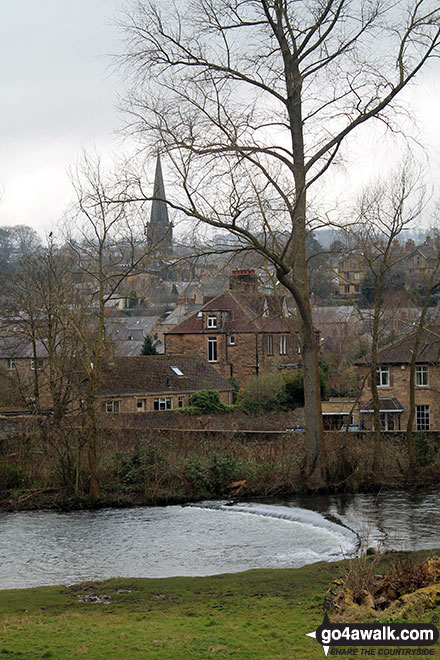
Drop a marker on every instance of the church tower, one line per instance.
(160, 229)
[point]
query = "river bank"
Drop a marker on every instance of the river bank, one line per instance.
(139, 467)
(259, 615)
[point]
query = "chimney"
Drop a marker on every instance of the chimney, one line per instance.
(243, 280)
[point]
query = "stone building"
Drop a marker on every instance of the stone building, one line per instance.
(392, 377)
(240, 332)
(350, 273)
(158, 382)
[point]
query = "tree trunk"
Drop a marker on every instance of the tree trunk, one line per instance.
(316, 463)
(92, 434)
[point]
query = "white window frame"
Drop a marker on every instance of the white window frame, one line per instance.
(39, 364)
(283, 344)
(211, 321)
(232, 340)
(422, 375)
(163, 403)
(423, 417)
(269, 344)
(383, 378)
(112, 406)
(10, 364)
(212, 349)
(180, 401)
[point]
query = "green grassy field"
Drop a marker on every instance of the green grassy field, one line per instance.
(259, 614)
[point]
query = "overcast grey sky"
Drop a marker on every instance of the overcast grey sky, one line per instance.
(60, 92)
(58, 95)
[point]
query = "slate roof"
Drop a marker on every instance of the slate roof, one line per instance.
(247, 314)
(400, 351)
(18, 348)
(152, 374)
(386, 404)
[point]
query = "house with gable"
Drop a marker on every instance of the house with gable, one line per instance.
(240, 332)
(393, 382)
(155, 383)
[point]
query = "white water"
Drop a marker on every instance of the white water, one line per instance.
(47, 547)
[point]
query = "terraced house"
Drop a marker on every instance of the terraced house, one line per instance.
(393, 381)
(240, 332)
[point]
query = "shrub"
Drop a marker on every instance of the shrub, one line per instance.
(11, 476)
(206, 401)
(425, 450)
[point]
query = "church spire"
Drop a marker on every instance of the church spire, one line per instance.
(160, 229)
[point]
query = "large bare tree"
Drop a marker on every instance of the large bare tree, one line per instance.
(253, 101)
(106, 239)
(385, 211)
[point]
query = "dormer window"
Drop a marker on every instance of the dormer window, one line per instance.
(212, 321)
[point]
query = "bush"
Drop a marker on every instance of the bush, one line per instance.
(278, 389)
(212, 476)
(140, 466)
(11, 476)
(425, 450)
(206, 401)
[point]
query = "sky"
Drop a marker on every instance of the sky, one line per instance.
(59, 95)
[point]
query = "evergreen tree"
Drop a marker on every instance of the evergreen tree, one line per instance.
(148, 347)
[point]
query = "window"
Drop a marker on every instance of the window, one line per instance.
(141, 405)
(422, 375)
(212, 349)
(357, 288)
(347, 288)
(422, 418)
(212, 321)
(383, 375)
(357, 276)
(180, 401)
(112, 406)
(232, 340)
(36, 364)
(387, 421)
(269, 344)
(163, 404)
(10, 364)
(283, 344)
(177, 371)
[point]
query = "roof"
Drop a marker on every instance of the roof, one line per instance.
(18, 348)
(154, 374)
(339, 314)
(248, 312)
(400, 351)
(386, 404)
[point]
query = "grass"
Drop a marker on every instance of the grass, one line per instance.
(256, 615)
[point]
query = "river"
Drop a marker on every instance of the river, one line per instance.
(48, 547)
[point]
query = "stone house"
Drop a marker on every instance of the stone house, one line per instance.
(240, 332)
(22, 374)
(350, 273)
(393, 373)
(157, 382)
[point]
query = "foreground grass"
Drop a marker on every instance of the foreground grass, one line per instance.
(259, 614)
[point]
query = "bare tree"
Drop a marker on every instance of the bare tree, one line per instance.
(432, 286)
(253, 101)
(107, 241)
(385, 211)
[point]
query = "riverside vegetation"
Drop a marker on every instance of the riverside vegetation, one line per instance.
(139, 466)
(257, 615)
